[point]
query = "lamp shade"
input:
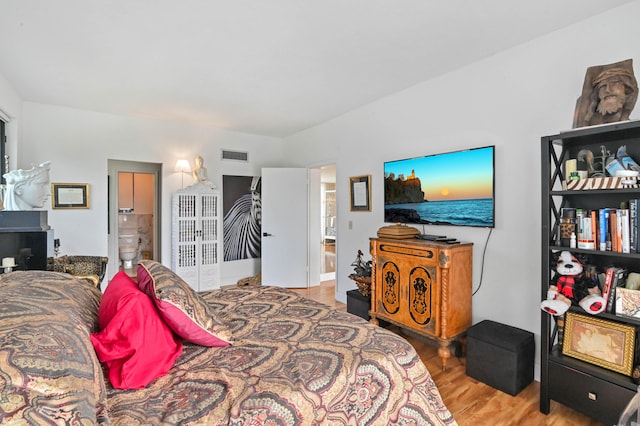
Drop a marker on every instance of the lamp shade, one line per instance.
(182, 166)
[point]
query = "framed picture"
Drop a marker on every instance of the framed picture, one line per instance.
(70, 195)
(360, 193)
(241, 201)
(604, 343)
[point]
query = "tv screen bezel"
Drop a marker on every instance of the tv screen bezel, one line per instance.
(493, 187)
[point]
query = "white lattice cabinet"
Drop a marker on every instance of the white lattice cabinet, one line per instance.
(196, 247)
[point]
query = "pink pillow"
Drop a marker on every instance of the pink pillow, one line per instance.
(135, 344)
(182, 308)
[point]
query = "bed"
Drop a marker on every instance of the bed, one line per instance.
(290, 361)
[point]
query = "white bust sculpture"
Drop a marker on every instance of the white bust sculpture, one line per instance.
(27, 189)
(199, 172)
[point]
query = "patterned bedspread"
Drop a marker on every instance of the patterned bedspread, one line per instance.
(49, 372)
(293, 362)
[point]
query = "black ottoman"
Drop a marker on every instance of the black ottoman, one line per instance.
(500, 355)
(359, 305)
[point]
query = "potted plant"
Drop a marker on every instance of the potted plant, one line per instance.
(362, 274)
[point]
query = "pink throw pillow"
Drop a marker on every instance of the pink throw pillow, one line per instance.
(134, 343)
(181, 307)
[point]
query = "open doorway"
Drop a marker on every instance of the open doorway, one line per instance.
(134, 214)
(329, 222)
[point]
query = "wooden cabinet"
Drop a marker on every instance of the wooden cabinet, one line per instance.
(196, 233)
(424, 287)
(586, 387)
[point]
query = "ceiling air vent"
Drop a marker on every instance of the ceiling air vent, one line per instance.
(235, 155)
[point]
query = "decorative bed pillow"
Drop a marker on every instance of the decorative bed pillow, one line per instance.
(135, 344)
(49, 372)
(182, 308)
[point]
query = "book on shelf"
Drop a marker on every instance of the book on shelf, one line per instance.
(617, 279)
(633, 225)
(625, 231)
(560, 328)
(613, 229)
(603, 229)
(606, 285)
(580, 223)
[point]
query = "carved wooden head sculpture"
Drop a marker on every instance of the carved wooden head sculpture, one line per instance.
(608, 95)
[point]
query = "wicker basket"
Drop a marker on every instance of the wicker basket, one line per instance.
(363, 283)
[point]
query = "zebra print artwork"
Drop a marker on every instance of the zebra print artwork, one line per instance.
(242, 222)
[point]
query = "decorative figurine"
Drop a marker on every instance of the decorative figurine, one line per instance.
(608, 163)
(200, 172)
(27, 189)
(362, 274)
(608, 95)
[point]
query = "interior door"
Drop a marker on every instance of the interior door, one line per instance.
(285, 230)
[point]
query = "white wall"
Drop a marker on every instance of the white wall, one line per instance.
(79, 143)
(509, 100)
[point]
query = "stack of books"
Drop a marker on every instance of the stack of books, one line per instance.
(608, 229)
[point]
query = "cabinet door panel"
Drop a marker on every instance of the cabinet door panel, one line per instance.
(390, 288)
(421, 295)
(209, 243)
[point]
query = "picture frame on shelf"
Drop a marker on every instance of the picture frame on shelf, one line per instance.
(70, 195)
(607, 344)
(627, 302)
(360, 189)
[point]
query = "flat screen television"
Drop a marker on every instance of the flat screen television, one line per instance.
(453, 188)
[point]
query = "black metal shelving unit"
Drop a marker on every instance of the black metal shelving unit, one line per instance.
(595, 391)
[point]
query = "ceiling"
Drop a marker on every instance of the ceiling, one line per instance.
(268, 67)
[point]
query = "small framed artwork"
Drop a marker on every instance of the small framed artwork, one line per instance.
(360, 193)
(604, 343)
(70, 195)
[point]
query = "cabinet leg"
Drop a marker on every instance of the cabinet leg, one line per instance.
(373, 320)
(444, 353)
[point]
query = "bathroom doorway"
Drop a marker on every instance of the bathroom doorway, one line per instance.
(134, 214)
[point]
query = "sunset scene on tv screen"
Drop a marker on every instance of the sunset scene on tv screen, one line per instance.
(463, 175)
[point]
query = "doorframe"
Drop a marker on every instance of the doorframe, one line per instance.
(319, 167)
(114, 167)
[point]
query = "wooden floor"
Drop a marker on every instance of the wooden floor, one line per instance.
(327, 257)
(472, 402)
